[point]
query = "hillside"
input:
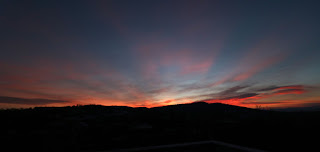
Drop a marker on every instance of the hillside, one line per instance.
(94, 127)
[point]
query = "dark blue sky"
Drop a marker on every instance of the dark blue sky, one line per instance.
(152, 53)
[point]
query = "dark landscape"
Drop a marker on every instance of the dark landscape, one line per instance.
(159, 75)
(97, 128)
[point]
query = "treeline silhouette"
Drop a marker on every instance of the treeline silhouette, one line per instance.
(96, 127)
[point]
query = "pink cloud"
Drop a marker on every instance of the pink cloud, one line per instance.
(290, 91)
(290, 87)
(201, 67)
(258, 67)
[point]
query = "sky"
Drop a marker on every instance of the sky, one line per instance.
(159, 52)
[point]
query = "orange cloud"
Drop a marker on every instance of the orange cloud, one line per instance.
(290, 87)
(235, 100)
(236, 96)
(290, 91)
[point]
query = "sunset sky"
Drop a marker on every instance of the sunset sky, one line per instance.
(159, 52)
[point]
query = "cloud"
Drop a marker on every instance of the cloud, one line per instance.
(160, 58)
(270, 88)
(232, 90)
(258, 67)
(275, 88)
(290, 87)
(168, 101)
(241, 96)
(23, 101)
(160, 90)
(249, 66)
(200, 67)
(245, 99)
(281, 90)
(68, 80)
(290, 91)
(247, 96)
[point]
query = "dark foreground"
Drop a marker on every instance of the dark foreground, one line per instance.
(96, 128)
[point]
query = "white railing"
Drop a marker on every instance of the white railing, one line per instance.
(242, 148)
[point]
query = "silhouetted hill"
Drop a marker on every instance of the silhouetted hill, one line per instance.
(96, 127)
(297, 109)
(203, 106)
